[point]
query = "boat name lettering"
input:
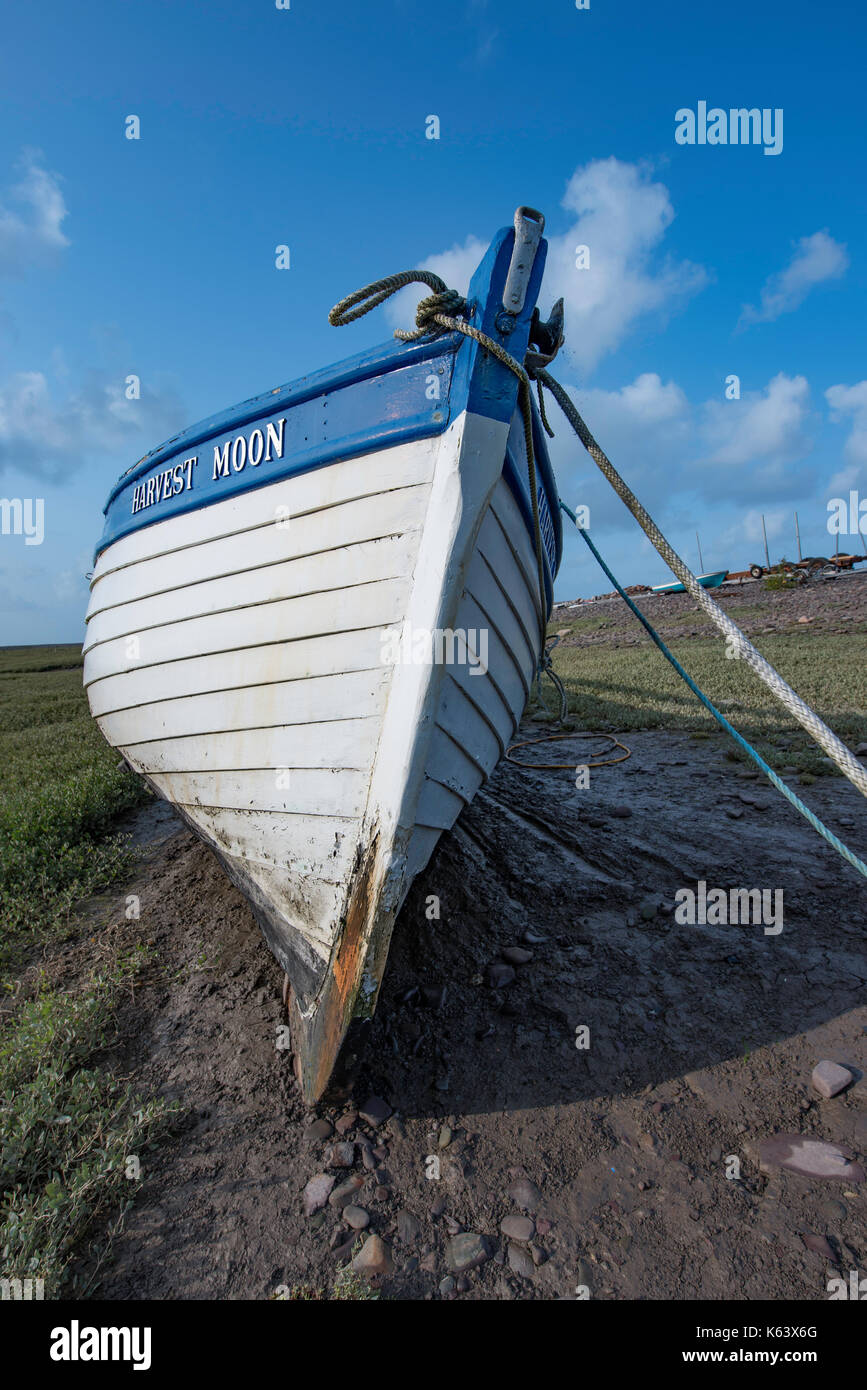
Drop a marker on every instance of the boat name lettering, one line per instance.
(255, 448)
(168, 483)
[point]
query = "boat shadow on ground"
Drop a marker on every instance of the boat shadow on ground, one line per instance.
(594, 873)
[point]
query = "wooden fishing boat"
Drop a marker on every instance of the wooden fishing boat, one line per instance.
(707, 581)
(313, 626)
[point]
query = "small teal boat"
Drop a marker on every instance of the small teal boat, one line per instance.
(707, 581)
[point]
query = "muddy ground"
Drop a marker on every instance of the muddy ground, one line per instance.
(702, 1043)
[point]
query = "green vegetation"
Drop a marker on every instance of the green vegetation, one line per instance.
(72, 1136)
(68, 1126)
(347, 1286)
(60, 792)
(614, 688)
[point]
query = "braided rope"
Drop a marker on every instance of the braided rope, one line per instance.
(825, 737)
(778, 782)
(436, 313)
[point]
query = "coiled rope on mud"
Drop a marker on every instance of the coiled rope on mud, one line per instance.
(778, 782)
(576, 733)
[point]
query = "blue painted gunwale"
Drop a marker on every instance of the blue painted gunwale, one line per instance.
(393, 373)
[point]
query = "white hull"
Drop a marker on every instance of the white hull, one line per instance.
(236, 662)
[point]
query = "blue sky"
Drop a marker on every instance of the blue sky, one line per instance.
(306, 127)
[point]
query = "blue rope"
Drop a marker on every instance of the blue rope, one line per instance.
(721, 719)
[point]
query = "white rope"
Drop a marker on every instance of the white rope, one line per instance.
(825, 737)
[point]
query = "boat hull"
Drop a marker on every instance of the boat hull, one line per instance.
(241, 666)
(707, 581)
(313, 627)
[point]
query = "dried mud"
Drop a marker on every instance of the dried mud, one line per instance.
(702, 1041)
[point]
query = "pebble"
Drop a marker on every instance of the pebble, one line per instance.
(516, 955)
(341, 1155)
(525, 1194)
(519, 1228)
(408, 1227)
(447, 1286)
(813, 1158)
(382, 1193)
(428, 1262)
(374, 1257)
(347, 1122)
(445, 1137)
(343, 1252)
(833, 1211)
(356, 1217)
(521, 1262)
(438, 1206)
(319, 1130)
(829, 1079)
(534, 939)
(539, 1255)
(411, 1265)
(584, 1275)
(819, 1244)
(466, 1251)
(463, 1284)
(317, 1192)
(500, 975)
(368, 1158)
(375, 1111)
(622, 812)
(343, 1195)
(543, 1227)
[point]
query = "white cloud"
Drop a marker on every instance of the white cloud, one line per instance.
(769, 428)
(850, 402)
(778, 523)
(622, 216)
(678, 457)
(34, 233)
(817, 258)
(53, 437)
(644, 427)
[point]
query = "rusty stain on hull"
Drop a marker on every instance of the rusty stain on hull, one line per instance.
(319, 1036)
